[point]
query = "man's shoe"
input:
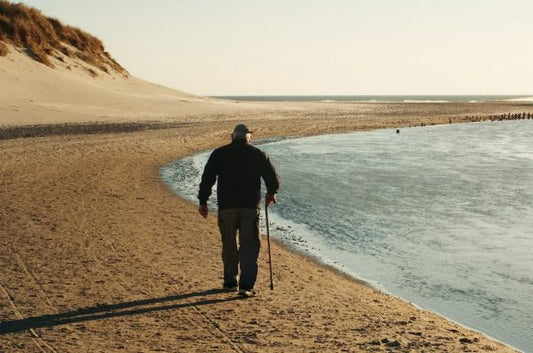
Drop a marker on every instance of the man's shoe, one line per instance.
(247, 293)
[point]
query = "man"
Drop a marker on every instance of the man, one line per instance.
(239, 167)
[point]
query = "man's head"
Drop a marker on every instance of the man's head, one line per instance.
(241, 132)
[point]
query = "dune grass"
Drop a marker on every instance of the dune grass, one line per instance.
(3, 49)
(45, 39)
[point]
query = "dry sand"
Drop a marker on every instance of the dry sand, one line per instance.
(98, 255)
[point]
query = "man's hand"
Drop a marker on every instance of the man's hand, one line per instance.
(269, 199)
(202, 209)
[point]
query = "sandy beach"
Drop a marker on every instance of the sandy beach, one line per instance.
(100, 256)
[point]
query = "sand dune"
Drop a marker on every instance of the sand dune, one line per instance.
(76, 92)
(31, 93)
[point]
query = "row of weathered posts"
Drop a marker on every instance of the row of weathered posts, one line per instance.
(498, 117)
(485, 117)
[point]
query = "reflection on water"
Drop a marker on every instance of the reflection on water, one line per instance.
(440, 216)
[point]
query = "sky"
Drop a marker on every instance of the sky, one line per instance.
(315, 47)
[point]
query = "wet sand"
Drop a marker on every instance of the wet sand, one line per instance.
(98, 255)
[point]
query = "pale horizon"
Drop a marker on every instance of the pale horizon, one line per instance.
(247, 48)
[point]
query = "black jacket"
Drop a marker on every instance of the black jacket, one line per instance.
(239, 167)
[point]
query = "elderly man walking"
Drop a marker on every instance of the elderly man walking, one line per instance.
(239, 167)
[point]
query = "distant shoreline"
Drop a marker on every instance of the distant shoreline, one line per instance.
(383, 98)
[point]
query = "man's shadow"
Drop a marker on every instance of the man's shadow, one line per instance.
(104, 311)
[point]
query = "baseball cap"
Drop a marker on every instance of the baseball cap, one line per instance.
(242, 129)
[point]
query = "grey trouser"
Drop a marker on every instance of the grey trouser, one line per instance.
(246, 221)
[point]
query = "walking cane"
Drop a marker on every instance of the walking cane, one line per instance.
(268, 242)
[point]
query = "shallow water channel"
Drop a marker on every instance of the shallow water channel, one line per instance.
(441, 216)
